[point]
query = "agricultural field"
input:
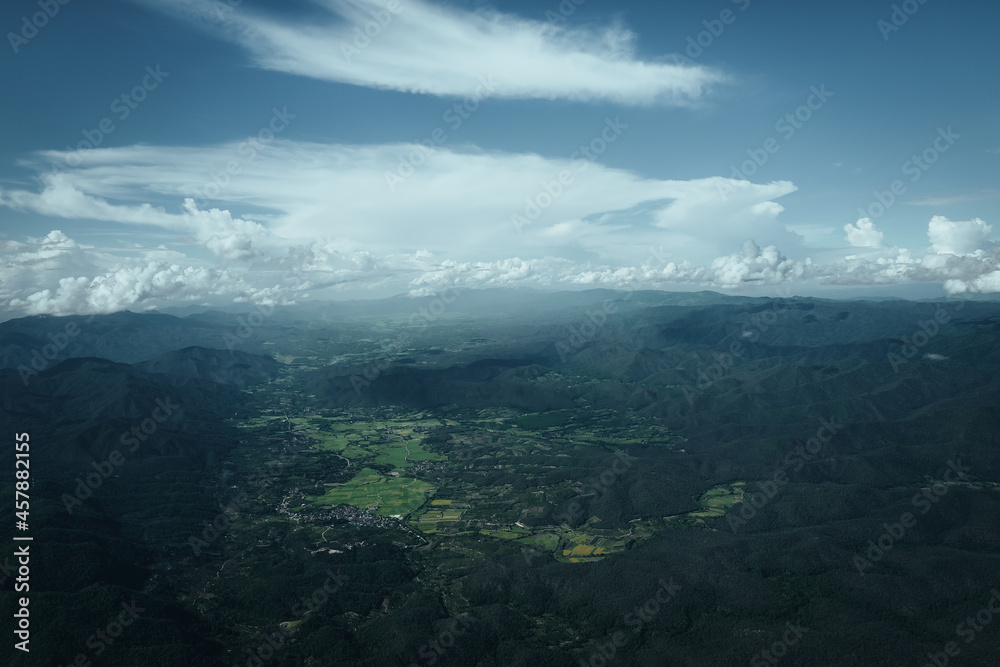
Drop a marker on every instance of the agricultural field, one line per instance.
(715, 502)
(392, 496)
(440, 515)
(501, 475)
(720, 499)
(599, 427)
(395, 443)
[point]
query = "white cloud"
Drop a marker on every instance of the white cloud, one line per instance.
(953, 199)
(957, 238)
(312, 219)
(753, 265)
(988, 283)
(71, 195)
(864, 234)
(503, 273)
(437, 49)
(459, 203)
(972, 272)
(232, 247)
(125, 288)
(749, 266)
(25, 266)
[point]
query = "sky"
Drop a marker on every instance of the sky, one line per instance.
(184, 152)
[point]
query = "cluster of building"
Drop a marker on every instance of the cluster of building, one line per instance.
(355, 516)
(363, 517)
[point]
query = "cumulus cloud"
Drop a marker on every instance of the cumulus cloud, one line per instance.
(961, 259)
(751, 265)
(312, 219)
(232, 247)
(514, 271)
(974, 272)
(25, 266)
(124, 288)
(863, 234)
(460, 203)
(33, 276)
(957, 238)
(439, 49)
(988, 283)
(70, 195)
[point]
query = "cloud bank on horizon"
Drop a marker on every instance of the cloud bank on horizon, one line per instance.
(328, 221)
(279, 220)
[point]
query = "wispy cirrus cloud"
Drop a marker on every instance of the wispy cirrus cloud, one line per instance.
(435, 49)
(954, 199)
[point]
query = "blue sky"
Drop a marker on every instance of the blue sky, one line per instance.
(331, 195)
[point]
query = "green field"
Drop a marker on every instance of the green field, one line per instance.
(715, 502)
(544, 420)
(394, 496)
(718, 500)
(393, 442)
(380, 448)
(547, 541)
